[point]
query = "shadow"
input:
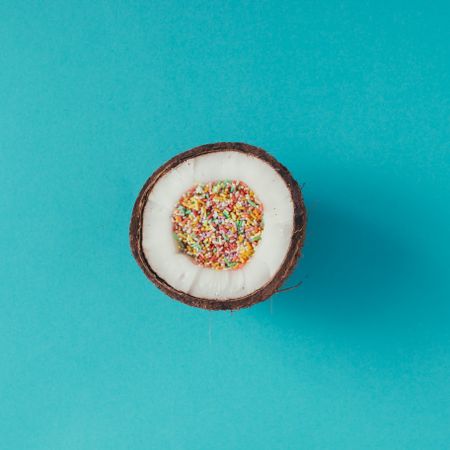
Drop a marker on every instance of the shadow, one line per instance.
(351, 266)
(369, 293)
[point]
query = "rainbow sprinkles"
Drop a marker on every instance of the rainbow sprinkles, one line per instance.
(218, 224)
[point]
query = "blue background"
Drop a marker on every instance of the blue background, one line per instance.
(353, 97)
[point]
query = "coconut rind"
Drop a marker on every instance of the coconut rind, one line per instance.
(286, 268)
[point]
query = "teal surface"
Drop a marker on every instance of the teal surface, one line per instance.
(353, 97)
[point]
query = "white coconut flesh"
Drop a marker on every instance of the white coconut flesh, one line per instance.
(178, 269)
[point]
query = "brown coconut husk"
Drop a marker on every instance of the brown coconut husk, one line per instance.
(273, 285)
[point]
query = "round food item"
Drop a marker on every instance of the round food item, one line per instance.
(220, 226)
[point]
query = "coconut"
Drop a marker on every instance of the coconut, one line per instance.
(219, 227)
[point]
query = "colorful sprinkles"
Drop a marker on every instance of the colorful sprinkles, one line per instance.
(219, 224)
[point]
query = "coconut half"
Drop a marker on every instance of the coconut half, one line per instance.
(176, 272)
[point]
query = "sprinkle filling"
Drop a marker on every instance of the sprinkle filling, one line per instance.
(219, 224)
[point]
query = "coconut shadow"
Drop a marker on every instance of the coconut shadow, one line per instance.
(350, 266)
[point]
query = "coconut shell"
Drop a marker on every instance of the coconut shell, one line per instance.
(272, 285)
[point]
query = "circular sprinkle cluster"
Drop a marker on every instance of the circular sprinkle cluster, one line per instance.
(219, 224)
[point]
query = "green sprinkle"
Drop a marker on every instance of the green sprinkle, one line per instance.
(256, 238)
(253, 203)
(229, 263)
(184, 211)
